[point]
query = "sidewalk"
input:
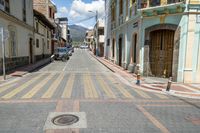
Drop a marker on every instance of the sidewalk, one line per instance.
(153, 84)
(19, 72)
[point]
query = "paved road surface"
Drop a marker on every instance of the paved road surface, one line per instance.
(82, 84)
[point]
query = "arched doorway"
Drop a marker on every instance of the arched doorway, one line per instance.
(120, 51)
(161, 52)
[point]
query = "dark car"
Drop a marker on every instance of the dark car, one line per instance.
(61, 53)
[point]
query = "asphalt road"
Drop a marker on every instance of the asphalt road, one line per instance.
(102, 100)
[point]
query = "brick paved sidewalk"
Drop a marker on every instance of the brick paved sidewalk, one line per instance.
(19, 72)
(154, 84)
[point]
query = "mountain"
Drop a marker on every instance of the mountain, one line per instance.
(77, 32)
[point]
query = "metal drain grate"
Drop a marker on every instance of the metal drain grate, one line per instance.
(65, 119)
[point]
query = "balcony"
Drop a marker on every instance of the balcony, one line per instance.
(154, 3)
(163, 8)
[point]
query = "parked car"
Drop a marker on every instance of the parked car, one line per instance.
(70, 50)
(84, 47)
(61, 53)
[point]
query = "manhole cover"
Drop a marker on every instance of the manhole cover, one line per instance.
(64, 120)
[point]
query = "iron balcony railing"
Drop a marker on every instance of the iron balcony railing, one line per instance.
(154, 3)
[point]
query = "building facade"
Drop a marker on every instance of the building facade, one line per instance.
(158, 38)
(16, 17)
(63, 23)
(48, 9)
(42, 37)
(89, 38)
(99, 38)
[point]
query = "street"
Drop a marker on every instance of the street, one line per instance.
(84, 85)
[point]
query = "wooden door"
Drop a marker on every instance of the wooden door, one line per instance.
(161, 52)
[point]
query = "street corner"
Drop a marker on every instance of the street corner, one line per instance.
(173, 120)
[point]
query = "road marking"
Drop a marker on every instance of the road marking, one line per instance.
(159, 125)
(35, 89)
(141, 93)
(89, 88)
(6, 87)
(120, 88)
(53, 87)
(20, 88)
(189, 88)
(9, 82)
(105, 87)
(92, 87)
(65, 67)
(69, 86)
(162, 96)
(86, 88)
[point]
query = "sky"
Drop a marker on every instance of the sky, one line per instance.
(78, 10)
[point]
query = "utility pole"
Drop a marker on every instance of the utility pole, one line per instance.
(3, 53)
(97, 44)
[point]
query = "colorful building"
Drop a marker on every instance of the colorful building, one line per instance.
(158, 37)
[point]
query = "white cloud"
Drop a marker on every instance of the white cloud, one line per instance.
(63, 10)
(79, 9)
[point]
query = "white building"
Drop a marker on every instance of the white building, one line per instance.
(99, 38)
(63, 23)
(16, 16)
(43, 29)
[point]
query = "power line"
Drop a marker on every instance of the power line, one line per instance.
(85, 19)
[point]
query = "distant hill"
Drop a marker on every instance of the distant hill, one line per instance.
(77, 32)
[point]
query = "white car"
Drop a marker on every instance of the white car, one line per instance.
(84, 47)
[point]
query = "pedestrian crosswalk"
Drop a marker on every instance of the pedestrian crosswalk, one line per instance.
(66, 85)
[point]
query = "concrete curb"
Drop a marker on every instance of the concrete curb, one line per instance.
(20, 72)
(151, 89)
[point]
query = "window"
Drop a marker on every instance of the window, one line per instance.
(121, 7)
(24, 10)
(49, 12)
(126, 8)
(47, 44)
(47, 33)
(4, 5)
(37, 27)
(13, 44)
(37, 43)
(113, 12)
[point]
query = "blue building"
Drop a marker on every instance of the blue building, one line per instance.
(158, 38)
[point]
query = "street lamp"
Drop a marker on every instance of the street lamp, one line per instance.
(97, 36)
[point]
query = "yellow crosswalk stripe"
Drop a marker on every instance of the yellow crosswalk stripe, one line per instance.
(120, 88)
(86, 88)
(6, 87)
(20, 88)
(35, 89)
(68, 89)
(141, 93)
(89, 88)
(105, 87)
(53, 87)
(92, 87)
(162, 96)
